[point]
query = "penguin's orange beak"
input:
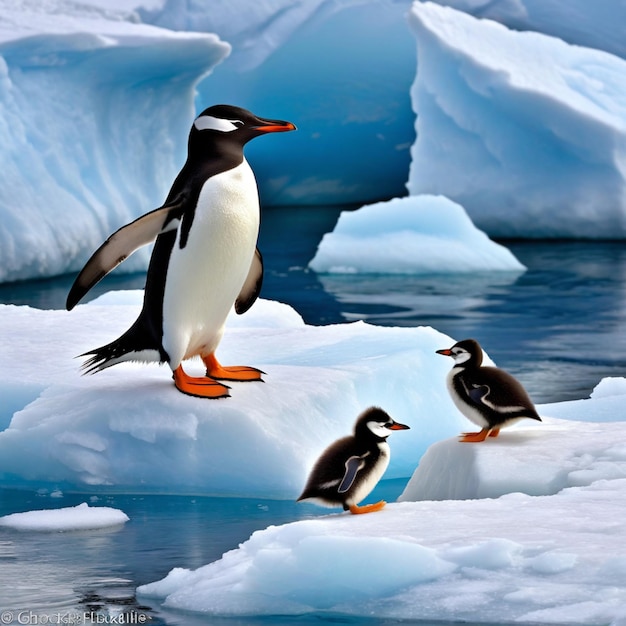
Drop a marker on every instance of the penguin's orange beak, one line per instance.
(398, 426)
(446, 352)
(276, 126)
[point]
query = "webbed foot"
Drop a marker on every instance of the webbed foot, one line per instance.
(200, 387)
(479, 436)
(367, 508)
(236, 373)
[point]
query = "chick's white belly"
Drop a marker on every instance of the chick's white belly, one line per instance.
(367, 485)
(205, 277)
(468, 411)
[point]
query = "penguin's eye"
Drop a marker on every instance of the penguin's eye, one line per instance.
(208, 122)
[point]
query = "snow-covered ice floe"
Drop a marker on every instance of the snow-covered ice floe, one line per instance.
(528, 527)
(124, 429)
(510, 556)
(81, 517)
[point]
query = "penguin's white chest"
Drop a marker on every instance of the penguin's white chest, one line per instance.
(204, 277)
(469, 411)
(370, 481)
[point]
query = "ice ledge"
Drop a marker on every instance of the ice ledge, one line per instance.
(535, 459)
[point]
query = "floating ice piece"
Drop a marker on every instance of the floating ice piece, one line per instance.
(81, 517)
(411, 235)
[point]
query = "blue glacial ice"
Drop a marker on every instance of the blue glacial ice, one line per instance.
(83, 102)
(526, 132)
(96, 101)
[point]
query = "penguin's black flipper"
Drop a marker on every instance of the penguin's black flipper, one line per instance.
(252, 286)
(478, 393)
(121, 244)
(353, 465)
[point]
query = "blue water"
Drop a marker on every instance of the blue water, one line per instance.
(558, 328)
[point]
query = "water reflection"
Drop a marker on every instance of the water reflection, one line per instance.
(558, 327)
(402, 300)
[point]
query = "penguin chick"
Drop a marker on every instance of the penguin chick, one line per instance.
(204, 259)
(487, 396)
(348, 470)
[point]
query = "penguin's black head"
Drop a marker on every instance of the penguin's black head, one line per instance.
(466, 353)
(234, 123)
(374, 422)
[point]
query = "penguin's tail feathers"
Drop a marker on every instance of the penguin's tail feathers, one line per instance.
(99, 359)
(118, 351)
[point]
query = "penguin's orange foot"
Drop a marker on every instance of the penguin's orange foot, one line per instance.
(200, 387)
(367, 508)
(479, 436)
(236, 373)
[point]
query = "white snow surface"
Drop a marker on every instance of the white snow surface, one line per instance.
(124, 429)
(528, 528)
(527, 132)
(412, 235)
(80, 517)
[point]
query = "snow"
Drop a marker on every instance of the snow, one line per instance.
(526, 528)
(523, 130)
(81, 517)
(413, 235)
(125, 428)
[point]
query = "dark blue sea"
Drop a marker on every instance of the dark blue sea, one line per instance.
(559, 328)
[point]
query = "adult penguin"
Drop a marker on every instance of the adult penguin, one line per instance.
(204, 259)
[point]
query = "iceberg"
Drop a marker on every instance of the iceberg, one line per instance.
(79, 93)
(484, 549)
(412, 235)
(526, 132)
(115, 76)
(81, 517)
(356, 123)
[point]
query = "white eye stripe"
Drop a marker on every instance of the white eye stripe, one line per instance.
(208, 122)
(378, 429)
